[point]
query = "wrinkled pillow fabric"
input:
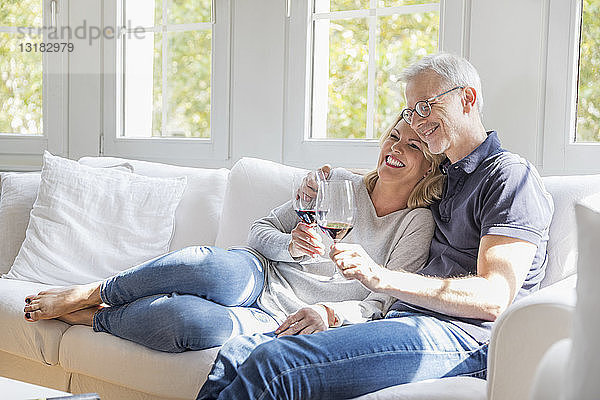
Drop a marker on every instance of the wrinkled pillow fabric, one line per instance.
(18, 194)
(88, 223)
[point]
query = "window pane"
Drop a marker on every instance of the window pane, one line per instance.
(145, 13)
(21, 13)
(402, 39)
(341, 61)
(398, 3)
(143, 85)
(189, 12)
(340, 5)
(588, 105)
(189, 74)
(20, 86)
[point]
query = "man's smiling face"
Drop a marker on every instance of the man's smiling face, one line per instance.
(440, 130)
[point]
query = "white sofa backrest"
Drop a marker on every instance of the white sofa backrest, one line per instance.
(198, 214)
(566, 191)
(255, 188)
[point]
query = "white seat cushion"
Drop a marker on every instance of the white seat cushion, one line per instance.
(126, 363)
(38, 341)
(454, 388)
(255, 188)
(562, 246)
(199, 212)
(19, 191)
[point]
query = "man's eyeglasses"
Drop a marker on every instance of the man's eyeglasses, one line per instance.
(423, 107)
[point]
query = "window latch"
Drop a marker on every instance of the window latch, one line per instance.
(53, 11)
(213, 15)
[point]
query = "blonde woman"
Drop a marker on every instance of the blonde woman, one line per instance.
(200, 297)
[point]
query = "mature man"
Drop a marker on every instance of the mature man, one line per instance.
(489, 248)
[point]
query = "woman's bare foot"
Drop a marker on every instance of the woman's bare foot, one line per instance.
(81, 317)
(55, 303)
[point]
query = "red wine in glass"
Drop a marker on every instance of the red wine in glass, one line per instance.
(336, 211)
(308, 216)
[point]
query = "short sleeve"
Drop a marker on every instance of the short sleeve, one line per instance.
(515, 203)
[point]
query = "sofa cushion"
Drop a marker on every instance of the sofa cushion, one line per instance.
(453, 388)
(566, 191)
(37, 341)
(88, 223)
(197, 217)
(19, 191)
(128, 364)
(255, 188)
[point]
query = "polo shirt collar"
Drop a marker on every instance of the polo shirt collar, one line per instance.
(468, 164)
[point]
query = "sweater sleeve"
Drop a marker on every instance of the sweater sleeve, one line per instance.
(409, 254)
(271, 235)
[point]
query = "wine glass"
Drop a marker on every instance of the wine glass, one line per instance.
(304, 207)
(336, 211)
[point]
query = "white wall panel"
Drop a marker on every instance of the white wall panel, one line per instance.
(507, 47)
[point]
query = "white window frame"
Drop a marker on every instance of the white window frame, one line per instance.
(298, 148)
(21, 152)
(561, 154)
(184, 151)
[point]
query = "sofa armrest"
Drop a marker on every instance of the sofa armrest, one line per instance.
(523, 334)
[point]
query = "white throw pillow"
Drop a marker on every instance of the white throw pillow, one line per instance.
(19, 191)
(255, 188)
(88, 223)
(199, 212)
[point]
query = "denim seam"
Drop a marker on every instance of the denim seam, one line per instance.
(278, 376)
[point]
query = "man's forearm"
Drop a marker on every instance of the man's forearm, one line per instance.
(471, 297)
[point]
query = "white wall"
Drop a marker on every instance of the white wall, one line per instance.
(506, 41)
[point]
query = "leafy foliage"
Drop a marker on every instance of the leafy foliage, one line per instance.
(20, 72)
(401, 39)
(588, 106)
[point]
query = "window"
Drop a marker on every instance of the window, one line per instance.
(32, 117)
(572, 103)
(359, 47)
(588, 98)
(344, 60)
(168, 69)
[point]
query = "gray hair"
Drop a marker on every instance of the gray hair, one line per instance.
(454, 70)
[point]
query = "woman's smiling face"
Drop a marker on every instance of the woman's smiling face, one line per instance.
(401, 157)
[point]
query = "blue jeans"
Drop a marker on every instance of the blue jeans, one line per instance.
(190, 299)
(345, 362)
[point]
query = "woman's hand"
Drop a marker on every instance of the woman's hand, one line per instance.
(310, 186)
(305, 321)
(354, 263)
(306, 241)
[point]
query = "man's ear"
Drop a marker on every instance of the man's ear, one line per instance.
(468, 98)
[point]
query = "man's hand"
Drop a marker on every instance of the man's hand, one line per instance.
(306, 241)
(305, 321)
(310, 186)
(354, 263)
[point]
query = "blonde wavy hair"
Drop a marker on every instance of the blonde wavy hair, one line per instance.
(427, 190)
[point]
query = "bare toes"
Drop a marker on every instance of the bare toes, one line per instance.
(31, 308)
(35, 315)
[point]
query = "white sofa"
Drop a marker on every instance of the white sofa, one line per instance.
(217, 209)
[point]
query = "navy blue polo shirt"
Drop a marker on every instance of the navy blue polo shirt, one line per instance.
(489, 192)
